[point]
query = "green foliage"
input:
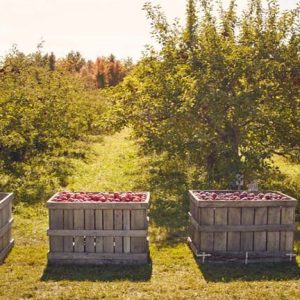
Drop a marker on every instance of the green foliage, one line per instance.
(222, 93)
(44, 113)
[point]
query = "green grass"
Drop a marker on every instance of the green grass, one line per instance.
(173, 274)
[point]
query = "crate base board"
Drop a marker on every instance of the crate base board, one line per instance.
(253, 257)
(98, 258)
(6, 251)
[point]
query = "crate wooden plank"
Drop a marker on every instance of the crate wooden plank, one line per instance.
(56, 222)
(79, 225)
(126, 226)
(89, 224)
(287, 238)
(2, 224)
(5, 212)
(97, 258)
(273, 237)
(138, 221)
(99, 226)
(118, 225)
(220, 238)
(98, 233)
(260, 238)
(247, 238)
(95, 205)
(108, 224)
(234, 238)
(207, 238)
(6, 250)
(68, 224)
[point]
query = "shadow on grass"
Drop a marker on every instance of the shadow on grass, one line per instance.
(229, 272)
(135, 273)
(169, 204)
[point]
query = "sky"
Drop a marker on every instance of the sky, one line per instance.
(92, 27)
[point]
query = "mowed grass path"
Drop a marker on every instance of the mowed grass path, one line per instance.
(173, 274)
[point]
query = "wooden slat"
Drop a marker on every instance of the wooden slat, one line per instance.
(138, 221)
(97, 257)
(56, 222)
(68, 224)
(99, 205)
(108, 224)
(220, 238)
(8, 198)
(273, 238)
(126, 227)
(234, 238)
(118, 225)
(79, 225)
(242, 228)
(99, 227)
(247, 238)
(207, 238)
(4, 229)
(89, 224)
(2, 224)
(6, 250)
(260, 238)
(287, 238)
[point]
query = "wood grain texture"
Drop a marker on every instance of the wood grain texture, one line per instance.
(220, 238)
(247, 238)
(207, 238)
(108, 224)
(56, 222)
(260, 238)
(89, 223)
(98, 227)
(234, 238)
(138, 221)
(118, 225)
(79, 225)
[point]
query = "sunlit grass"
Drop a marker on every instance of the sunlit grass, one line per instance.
(173, 272)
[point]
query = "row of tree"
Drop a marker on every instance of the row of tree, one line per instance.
(46, 111)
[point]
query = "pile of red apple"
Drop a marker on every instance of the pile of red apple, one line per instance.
(99, 197)
(238, 195)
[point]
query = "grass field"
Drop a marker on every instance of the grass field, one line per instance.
(173, 273)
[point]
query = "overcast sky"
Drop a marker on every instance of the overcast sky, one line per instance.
(93, 27)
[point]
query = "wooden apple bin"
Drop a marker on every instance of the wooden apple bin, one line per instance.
(242, 229)
(6, 220)
(98, 232)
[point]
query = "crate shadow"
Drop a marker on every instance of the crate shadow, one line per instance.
(229, 272)
(110, 273)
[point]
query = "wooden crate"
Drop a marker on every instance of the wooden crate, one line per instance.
(98, 233)
(231, 230)
(6, 220)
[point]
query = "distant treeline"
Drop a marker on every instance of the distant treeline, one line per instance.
(48, 109)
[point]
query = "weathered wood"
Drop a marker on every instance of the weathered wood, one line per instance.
(247, 238)
(99, 227)
(56, 222)
(260, 238)
(207, 238)
(89, 224)
(126, 227)
(289, 202)
(68, 224)
(273, 238)
(79, 225)
(234, 238)
(242, 228)
(220, 238)
(118, 225)
(97, 258)
(96, 205)
(138, 222)
(6, 250)
(108, 224)
(102, 233)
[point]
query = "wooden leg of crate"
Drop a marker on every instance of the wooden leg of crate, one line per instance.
(6, 250)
